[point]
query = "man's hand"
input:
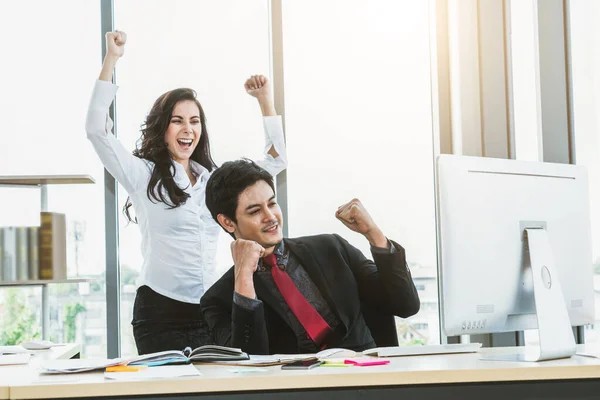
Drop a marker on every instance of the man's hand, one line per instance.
(246, 254)
(354, 215)
(115, 44)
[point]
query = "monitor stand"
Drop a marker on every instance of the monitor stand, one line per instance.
(555, 333)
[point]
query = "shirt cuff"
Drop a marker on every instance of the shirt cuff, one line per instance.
(390, 249)
(103, 94)
(246, 302)
(273, 127)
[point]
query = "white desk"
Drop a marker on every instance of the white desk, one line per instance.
(458, 376)
(11, 373)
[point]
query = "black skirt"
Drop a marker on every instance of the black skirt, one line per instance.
(161, 323)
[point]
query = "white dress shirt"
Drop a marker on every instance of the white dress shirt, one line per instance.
(178, 245)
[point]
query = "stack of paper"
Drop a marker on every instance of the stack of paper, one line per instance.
(166, 371)
(14, 355)
(593, 353)
(14, 359)
(78, 365)
(13, 350)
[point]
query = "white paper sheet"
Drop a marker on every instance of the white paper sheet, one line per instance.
(13, 350)
(77, 365)
(161, 372)
(14, 359)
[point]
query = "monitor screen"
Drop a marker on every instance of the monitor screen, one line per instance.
(484, 206)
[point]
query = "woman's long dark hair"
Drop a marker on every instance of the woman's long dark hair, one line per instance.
(152, 147)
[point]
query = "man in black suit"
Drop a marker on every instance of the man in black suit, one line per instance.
(297, 295)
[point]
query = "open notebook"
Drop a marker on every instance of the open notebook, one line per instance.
(208, 353)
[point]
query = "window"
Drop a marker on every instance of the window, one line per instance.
(212, 47)
(527, 128)
(585, 62)
(584, 42)
(43, 108)
(358, 121)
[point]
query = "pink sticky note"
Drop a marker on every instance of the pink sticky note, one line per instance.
(366, 363)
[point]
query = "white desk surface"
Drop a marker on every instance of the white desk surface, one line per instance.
(9, 373)
(415, 370)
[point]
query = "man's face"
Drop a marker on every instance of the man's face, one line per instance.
(259, 216)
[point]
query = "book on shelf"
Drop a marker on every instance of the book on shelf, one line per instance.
(1, 254)
(208, 353)
(19, 253)
(33, 233)
(34, 252)
(52, 246)
(9, 253)
(22, 253)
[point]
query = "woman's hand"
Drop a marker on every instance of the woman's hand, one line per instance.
(115, 43)
(258, 86)
(115, 47)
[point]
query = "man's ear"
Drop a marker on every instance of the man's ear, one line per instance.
(226, 223)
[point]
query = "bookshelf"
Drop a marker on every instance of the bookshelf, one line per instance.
(42, 181)
(39, 180)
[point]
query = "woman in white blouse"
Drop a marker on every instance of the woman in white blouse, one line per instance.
(165, 178)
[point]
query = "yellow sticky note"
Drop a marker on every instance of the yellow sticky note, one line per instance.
(126, 368)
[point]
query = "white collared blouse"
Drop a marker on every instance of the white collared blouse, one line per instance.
(178, 245)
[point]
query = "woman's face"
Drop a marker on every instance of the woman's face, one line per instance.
(184, 130)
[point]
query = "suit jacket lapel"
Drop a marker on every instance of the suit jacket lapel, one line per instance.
(268, 298)
(309, 263)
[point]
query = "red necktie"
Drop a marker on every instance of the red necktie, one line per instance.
(311, 320)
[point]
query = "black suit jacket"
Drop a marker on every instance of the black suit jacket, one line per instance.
(344, 277)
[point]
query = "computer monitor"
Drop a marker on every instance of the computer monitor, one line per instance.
(514, 249)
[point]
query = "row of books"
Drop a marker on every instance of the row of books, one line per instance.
(34, 252)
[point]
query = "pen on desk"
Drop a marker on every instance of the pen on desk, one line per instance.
(126, 368)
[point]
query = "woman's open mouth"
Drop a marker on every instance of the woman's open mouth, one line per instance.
(185, 144)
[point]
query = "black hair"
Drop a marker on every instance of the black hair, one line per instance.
(152, 147)
(227, 182)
